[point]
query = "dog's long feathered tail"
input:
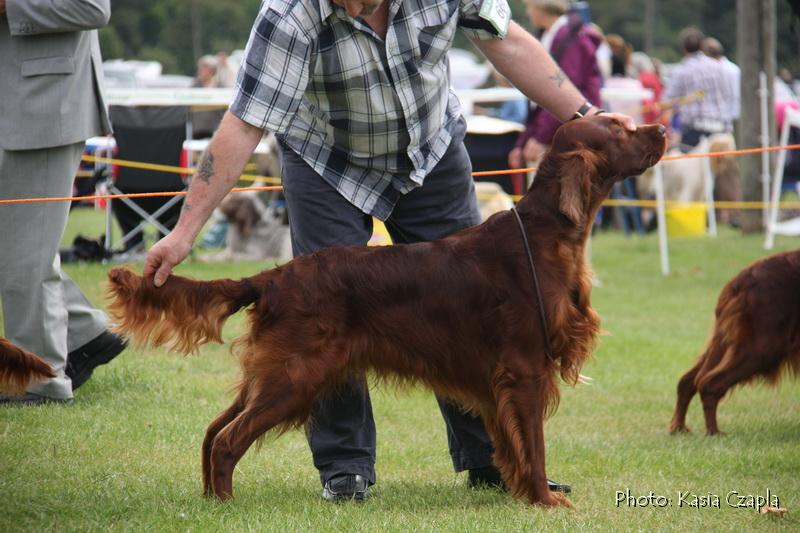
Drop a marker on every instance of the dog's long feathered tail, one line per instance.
(182, 314)
(18, 367)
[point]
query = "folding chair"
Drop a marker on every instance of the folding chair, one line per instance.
(488, 142)
(148, 135)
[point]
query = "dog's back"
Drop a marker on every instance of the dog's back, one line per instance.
(756, 335)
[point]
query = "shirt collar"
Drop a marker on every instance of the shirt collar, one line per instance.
(325, 9)
(328, 8)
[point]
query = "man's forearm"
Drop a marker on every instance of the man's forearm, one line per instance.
(218, 171)
(530, 68)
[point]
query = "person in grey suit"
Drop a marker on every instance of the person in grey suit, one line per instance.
(51, 102)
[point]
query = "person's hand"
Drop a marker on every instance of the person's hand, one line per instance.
(2, 7)
(164, 255)
(515, 158)
(626, 120)
(533, 150)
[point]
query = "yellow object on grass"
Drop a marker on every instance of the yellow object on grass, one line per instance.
(686, 221)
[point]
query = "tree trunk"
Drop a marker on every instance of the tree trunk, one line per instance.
(755, 46)
(649, 26)
(197, 30)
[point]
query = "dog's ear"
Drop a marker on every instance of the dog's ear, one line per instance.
(577, 169)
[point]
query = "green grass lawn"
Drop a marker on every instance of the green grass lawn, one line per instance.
(126, 454)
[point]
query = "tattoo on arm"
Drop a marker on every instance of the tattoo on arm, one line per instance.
(185, 206)
(206, 169)
(559, 78)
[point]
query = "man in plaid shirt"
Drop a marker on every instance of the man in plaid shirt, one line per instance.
(359, 97)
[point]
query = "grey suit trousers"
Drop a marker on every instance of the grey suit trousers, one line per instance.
(43, 309)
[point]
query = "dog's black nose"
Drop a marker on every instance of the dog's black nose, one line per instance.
(662, 130)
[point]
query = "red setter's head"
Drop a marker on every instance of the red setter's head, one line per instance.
(586, 158)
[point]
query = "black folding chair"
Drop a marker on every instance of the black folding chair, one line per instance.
(148, 135)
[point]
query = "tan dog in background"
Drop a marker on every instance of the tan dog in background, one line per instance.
(684, 178)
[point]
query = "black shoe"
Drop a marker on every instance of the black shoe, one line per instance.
(346, 487)
(29, 398)
(489, 477)
(82, 362)
(555, 486)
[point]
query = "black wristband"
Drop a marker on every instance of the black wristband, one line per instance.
(582, 110)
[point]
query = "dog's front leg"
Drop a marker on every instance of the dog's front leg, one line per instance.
(521, 400)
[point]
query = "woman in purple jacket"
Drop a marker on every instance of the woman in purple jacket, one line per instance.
(573, 45)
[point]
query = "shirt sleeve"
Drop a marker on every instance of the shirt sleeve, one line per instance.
(675, 87)
(274, 73)
(33, 17)
(484, 19)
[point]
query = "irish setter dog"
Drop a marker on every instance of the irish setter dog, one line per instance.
(458, 314)
(756, 335)
(19, 367)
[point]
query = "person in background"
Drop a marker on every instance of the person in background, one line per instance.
(713, 113)
(785, 87)
(620, 56)
(644, 69)
(49, 56)
(624, 81)
(727, 181)
(622, 78)
(206, 75)
(573, 45)
(603, 53)
(226, 74)
(733, 75)
(205, 122)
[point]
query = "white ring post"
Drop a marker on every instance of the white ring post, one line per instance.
(763, 94)
(661, 217)
(708, 178)
(777, 185)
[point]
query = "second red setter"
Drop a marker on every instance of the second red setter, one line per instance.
(756, 335)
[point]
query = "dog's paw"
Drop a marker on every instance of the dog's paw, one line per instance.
(559, 499)
(679, 428)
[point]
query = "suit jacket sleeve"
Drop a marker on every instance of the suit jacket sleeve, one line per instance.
(34, 17)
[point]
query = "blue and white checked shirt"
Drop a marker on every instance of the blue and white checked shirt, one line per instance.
(717, 109)
(372, 117)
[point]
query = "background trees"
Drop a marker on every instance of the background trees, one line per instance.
(176, 32)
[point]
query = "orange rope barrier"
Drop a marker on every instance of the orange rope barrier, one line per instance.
(501, 172)
(745, 151)
(131, 195)
(183, 170)
(483, 173)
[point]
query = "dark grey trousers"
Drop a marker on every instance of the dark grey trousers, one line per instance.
(342, 432)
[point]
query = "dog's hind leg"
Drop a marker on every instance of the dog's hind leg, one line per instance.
(518, 432)
(222, 420)
(280, 395)
(687, 385)
(272, 401)
(687, 388)
(737, 365)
